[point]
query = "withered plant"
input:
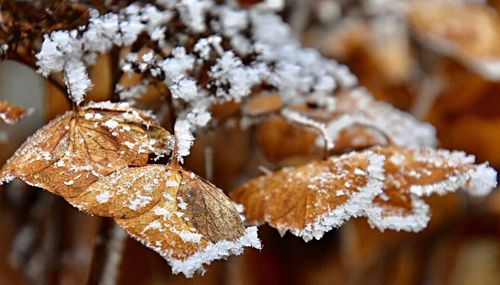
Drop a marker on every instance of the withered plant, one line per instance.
(321, 150)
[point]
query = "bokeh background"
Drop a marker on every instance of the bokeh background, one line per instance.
(434, 59)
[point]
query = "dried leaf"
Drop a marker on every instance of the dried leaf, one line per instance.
(192, 224)
(312, 199)
(402, 128)
(124, 193)
(81, 146)
(10, 113)
(353, 121)
(415, 172)
(263, 103)
(475, 41)
(280, 139)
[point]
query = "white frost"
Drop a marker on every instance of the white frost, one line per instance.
(190, 237)
(184, 137)
(103, 197)
(355, 206)
(399, 221)
(219, 250)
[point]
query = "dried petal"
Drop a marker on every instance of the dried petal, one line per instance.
(10, 113)
(74, 150)
(193, 223)
(312, 199)
(415, 172)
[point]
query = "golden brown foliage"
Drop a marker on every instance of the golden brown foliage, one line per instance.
(81, 146)
(443, 23)
(413, 173)
(190, 215)
(311, 199)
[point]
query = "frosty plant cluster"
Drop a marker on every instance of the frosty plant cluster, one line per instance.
(236, 50)
(98, 156)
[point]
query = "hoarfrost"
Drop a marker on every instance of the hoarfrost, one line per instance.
(185, 138)
(355, 206)
(221, 249)
(414, 222)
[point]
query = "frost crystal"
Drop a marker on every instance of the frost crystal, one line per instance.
(219, 250)
(193, 13)
(355, 206)
(185, 138)
(72, 51)
(229, 71)
(402, 128)
(414, 222)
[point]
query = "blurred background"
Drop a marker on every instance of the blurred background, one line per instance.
(438, 60)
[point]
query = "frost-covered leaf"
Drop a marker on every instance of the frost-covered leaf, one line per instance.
(10, 113)
(314, 198)
(192, 224)
(81, 146)
(350, 120)
(125, 193)
(474, 41)
(400, 127)
(414, 172)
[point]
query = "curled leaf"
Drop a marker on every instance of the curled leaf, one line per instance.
(81, 146)
(354, 120)
(403, 129)
(193, 222)
(314, 198)
(415, 172)
(10, 113)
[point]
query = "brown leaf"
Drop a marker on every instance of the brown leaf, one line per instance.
(280, 139)
(354, 121)
(402, 128)
(81, 146)
(413, 173)
(125, 193)
(263, 103)
(191, 224)
(10, 113)
(312, 199)
(474, 41)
